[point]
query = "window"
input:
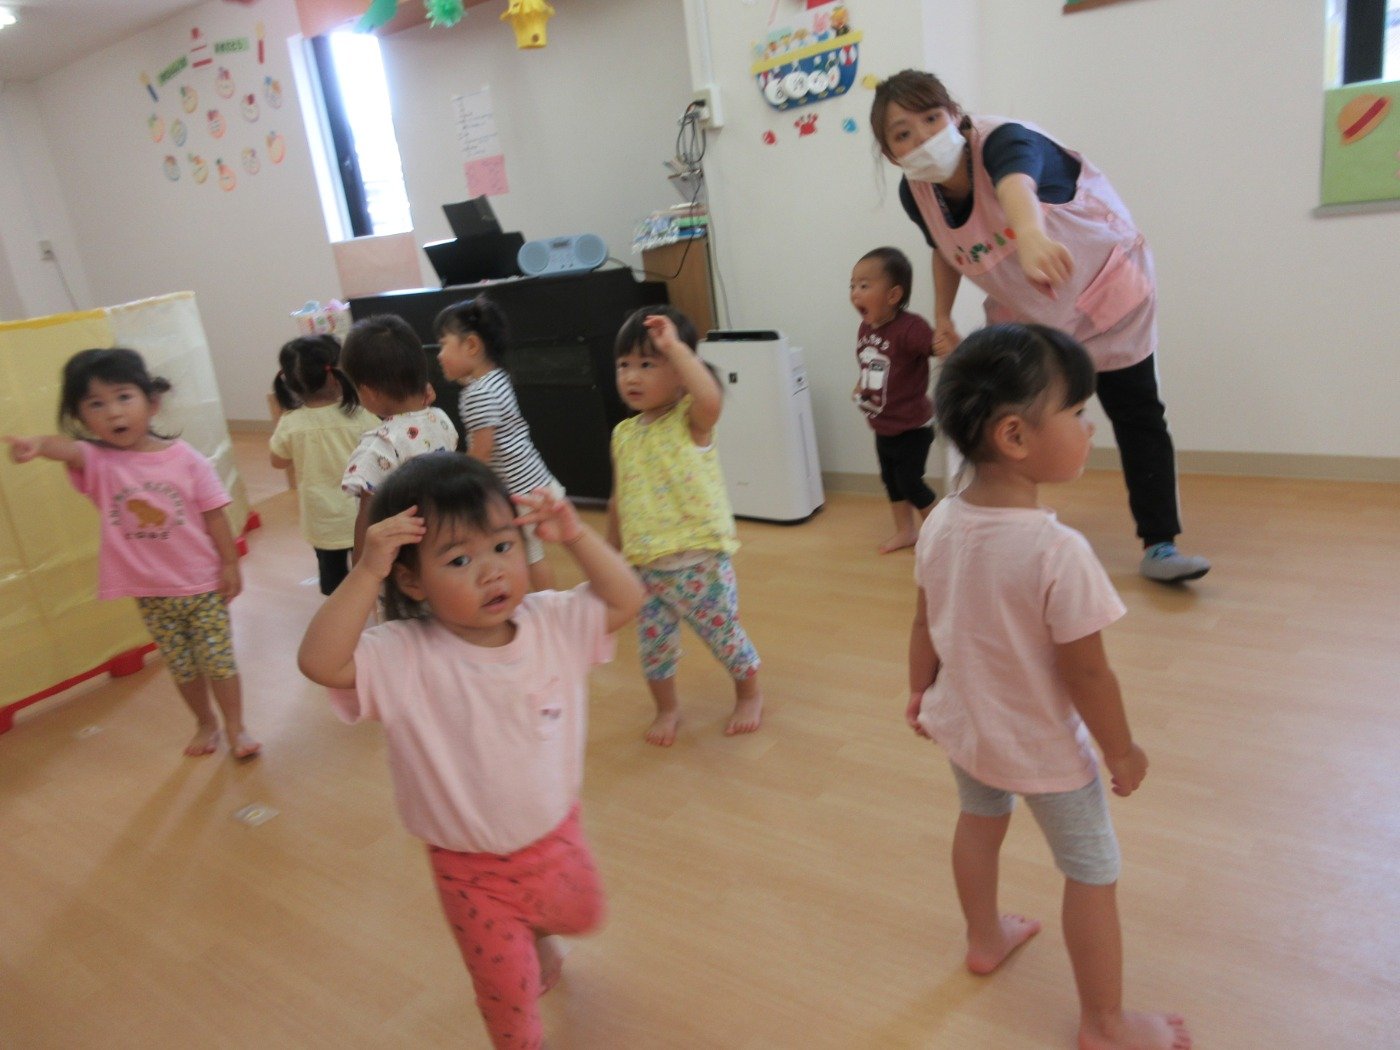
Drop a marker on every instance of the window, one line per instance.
(365, 170)
(1366, 35)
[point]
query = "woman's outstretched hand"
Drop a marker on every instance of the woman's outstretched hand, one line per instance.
(1046, 263)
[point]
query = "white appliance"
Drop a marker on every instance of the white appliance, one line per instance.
(767, 443)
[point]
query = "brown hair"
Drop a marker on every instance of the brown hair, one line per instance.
(910, 89)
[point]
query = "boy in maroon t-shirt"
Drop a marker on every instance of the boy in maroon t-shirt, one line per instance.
(893, 348)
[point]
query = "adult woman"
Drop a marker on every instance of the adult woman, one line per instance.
(1044, 234)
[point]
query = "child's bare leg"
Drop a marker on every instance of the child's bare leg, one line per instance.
(906, 527)
(228, 693)
(748, 706)
(551, 950)
(662, 731)
(1095, 945)
(195, 693)
(991, 936)
(541, 575)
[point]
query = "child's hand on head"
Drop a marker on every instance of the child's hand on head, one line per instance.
(384, 538)
(23, 449)
(663, 334)
(554, 517)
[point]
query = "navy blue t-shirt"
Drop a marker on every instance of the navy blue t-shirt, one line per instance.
(1010, 149)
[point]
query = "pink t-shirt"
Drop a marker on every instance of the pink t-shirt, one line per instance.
(1003, 587)
(485, 744)
(154, 543)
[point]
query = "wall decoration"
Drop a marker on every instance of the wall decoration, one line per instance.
(1360, 137)
(485, 164)
(1361, 116)
(230, 68)
(769, 138)
(849, 126)
(806, 125)
(199, 50)
(813, 60)
(528, 18)
(486, 176)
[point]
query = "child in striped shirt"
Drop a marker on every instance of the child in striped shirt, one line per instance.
(472, 338)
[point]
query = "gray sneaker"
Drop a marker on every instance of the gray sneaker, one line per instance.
(1165, 564)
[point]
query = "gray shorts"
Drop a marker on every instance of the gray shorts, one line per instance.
(1075, 824)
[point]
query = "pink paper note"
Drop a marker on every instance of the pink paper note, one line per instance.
(486, 176)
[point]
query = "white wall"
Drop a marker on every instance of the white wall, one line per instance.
(250, 255)
(584, 123)
(791, 219)
(32, 210)
(1279, 330)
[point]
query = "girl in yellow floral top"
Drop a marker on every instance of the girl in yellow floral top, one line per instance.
(670, 516)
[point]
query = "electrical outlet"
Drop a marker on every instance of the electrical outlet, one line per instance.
(46, 251)
(711, 115)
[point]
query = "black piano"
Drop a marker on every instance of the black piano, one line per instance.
(560, 359)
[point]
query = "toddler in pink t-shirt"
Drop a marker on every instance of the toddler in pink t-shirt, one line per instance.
(165, 535)
(1007, 670)
(482, 689)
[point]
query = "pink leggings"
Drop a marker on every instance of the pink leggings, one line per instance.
(497, 905)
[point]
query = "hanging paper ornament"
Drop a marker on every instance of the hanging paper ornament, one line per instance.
(443, 12)
(382, 12)
(379, 12)
(528, 17)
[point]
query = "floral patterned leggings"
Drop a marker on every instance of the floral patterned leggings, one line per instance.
(707, 595)
(497, 905)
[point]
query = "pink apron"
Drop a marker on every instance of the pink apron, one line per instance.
(1109, 303)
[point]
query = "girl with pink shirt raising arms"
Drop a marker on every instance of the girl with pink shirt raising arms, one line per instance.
(1007, 670)
(166, 539)
(482, 689)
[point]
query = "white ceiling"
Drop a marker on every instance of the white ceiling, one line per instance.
(50, 34)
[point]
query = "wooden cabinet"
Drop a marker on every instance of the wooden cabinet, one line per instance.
(685, 267)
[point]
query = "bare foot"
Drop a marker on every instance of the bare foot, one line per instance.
(1016, 930)
(899, 541)
(662, 731)
(204, 742)
(747, 716)
(1134, 1031)
(551, 951)
(244, 746)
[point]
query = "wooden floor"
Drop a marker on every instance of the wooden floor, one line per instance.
(788, 889)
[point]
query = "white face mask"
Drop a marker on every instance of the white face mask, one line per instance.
(937, 157)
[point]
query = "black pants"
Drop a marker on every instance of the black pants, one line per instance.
(1129, 398)
(334, 566)
(902, 459)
